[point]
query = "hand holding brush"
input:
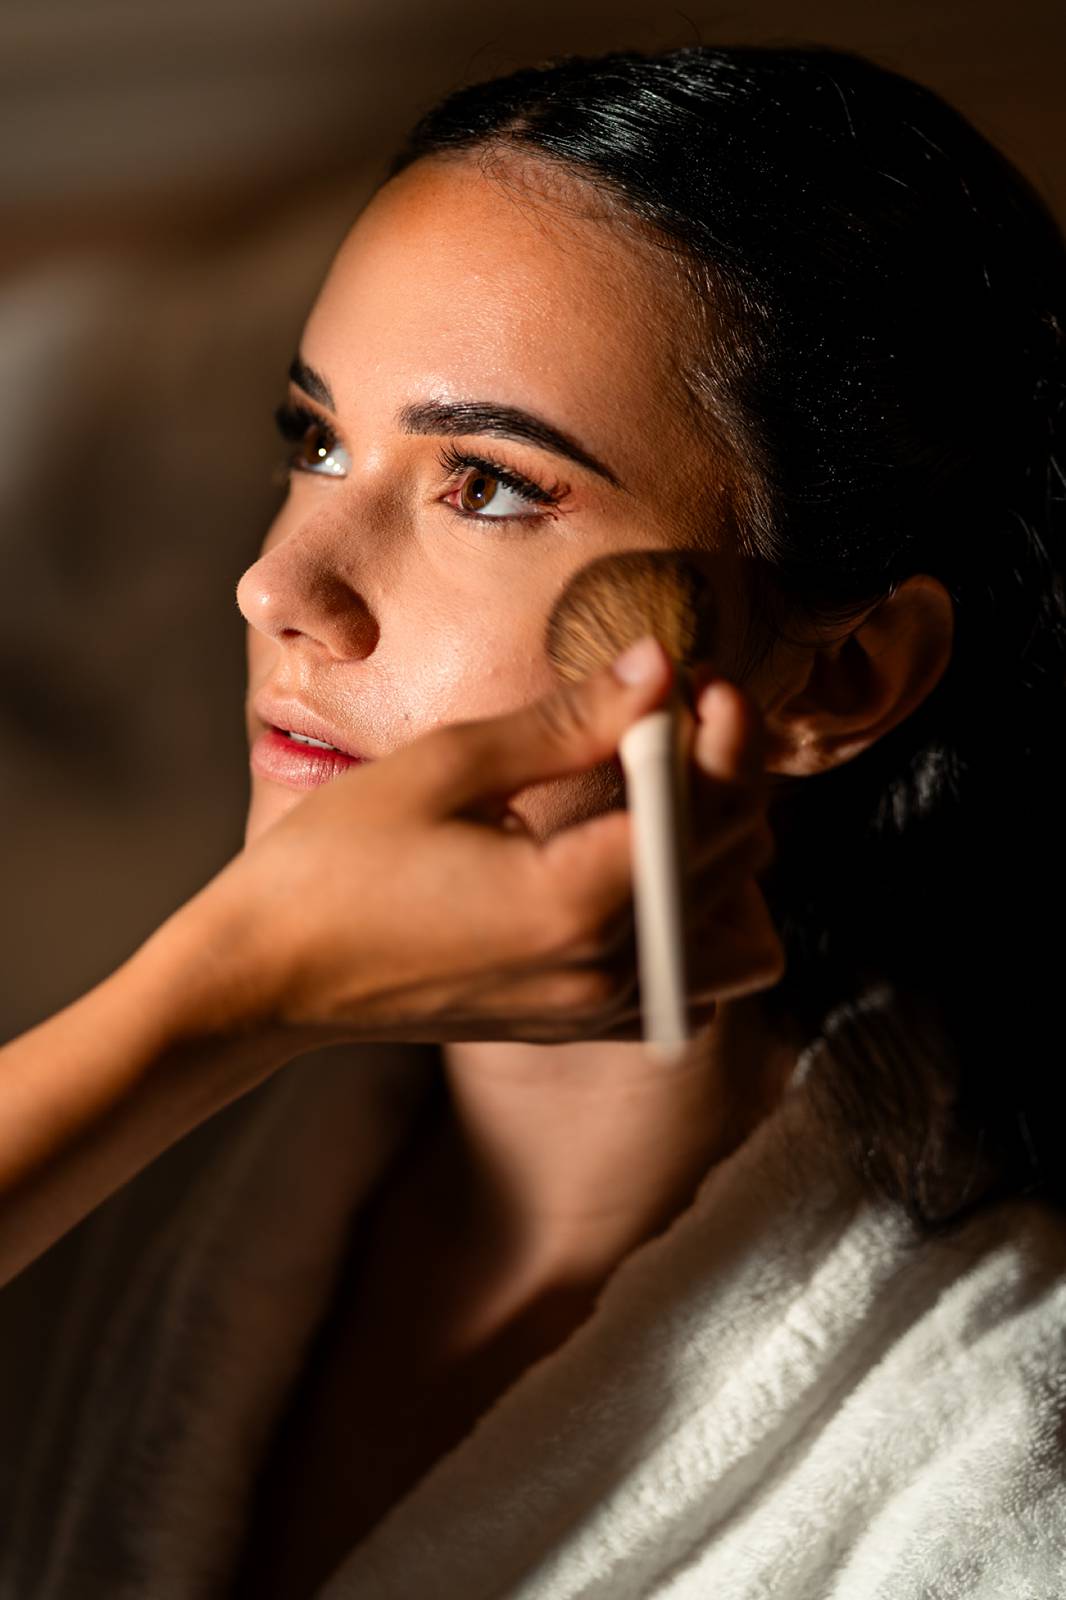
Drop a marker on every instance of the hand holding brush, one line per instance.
(605, 607)
(396, 903)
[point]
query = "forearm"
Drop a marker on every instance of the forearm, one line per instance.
(95, 1093)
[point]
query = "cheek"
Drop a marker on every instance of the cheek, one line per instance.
(438, 662)
(458, 669)
(495, 672)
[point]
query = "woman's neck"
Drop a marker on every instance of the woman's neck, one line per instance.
(559, 1159)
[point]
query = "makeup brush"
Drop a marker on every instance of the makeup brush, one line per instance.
(607, 605)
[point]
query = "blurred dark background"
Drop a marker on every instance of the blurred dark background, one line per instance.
(173, 182)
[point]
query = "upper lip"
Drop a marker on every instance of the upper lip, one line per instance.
(292, 717)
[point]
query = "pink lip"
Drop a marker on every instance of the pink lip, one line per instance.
(292, 716)
(281, 759)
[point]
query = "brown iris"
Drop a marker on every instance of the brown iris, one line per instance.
(477, 491)
(314, 447)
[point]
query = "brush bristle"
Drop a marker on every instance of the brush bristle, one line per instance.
(618, 598)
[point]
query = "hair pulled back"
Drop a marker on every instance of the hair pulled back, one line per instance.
(884, 373)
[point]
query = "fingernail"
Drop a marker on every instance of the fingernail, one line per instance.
(639, 662)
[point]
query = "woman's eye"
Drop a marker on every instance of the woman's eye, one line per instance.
(319, 451)
(488, 496)
(315, 447)
(488, 491)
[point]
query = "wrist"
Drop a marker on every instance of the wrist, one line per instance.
(201, 967)
(92, 1094)
(202, 1040)
(214, 972)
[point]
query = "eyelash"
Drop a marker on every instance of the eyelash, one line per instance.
(294, 421)
(456, 462)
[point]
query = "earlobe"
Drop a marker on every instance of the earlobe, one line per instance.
(837, 700)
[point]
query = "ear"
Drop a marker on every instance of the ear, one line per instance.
(827, 703)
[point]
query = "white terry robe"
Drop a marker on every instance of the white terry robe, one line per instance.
(786, 1394)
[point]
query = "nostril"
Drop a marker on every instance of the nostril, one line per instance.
(295, 593)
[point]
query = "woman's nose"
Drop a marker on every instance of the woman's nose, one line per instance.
(294, 593)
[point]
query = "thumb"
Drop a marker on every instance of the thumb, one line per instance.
(573, 727)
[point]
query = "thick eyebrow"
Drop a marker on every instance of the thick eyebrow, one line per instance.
(311, 382)
(467, 416)
(502, 422)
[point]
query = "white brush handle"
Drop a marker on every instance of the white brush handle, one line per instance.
(648, 751)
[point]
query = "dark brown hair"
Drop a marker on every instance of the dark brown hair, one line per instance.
(887, 374)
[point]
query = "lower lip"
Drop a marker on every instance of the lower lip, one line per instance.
(302, 766)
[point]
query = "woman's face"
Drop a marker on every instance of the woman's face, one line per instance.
(489, 398)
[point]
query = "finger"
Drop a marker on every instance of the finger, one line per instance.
(586, 873)
(568, 730)
(730, 737)
(728, 788)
